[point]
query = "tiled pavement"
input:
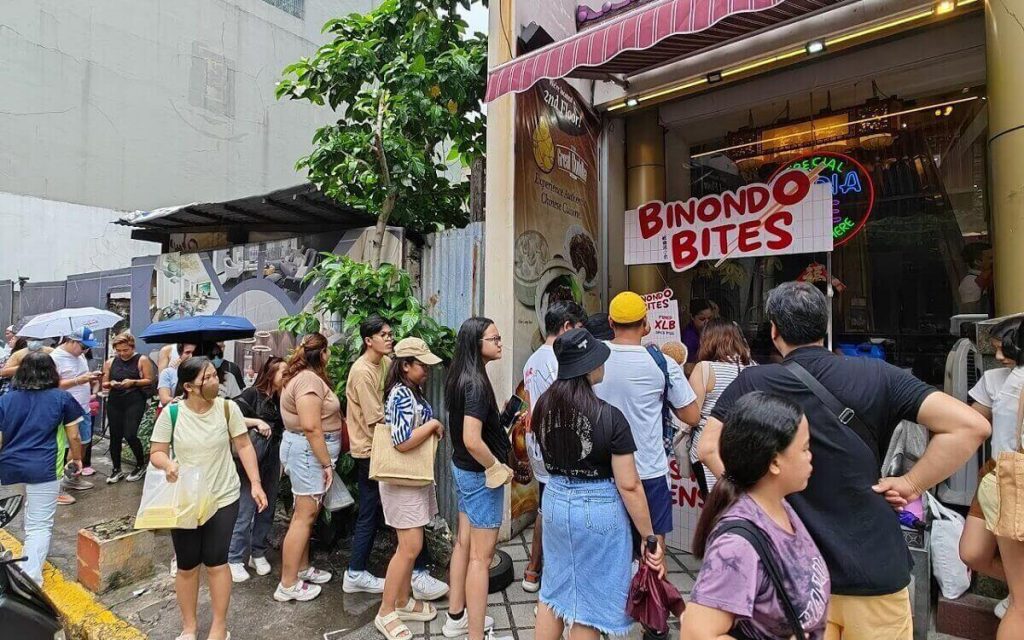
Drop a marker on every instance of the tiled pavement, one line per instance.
(512, 609)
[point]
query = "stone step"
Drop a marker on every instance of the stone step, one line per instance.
(969, 617)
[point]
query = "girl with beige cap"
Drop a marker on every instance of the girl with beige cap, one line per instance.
(407, 509)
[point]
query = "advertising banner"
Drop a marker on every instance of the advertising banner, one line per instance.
(556, 226)
(792, 214)
(663, 316)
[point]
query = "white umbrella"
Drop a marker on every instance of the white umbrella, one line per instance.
(64, 322)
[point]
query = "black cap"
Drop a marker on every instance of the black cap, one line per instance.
(598, 326)
(579, 353)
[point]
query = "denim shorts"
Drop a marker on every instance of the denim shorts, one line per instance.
(588, 554)
(481, 505)
(85, 428)
(301, 465)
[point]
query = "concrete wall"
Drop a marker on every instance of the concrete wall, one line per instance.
(130, 105)
(47, 240)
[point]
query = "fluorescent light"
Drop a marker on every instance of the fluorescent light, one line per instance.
(944, 6)
(815, 46)
(632, 102)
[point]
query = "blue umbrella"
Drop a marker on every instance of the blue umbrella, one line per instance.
(199, 330)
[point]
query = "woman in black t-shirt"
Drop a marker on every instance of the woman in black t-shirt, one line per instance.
(480, 448)
(593, 495)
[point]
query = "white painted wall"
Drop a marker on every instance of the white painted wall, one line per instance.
(48, 240)
(127, 105)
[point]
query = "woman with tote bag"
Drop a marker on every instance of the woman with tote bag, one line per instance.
(408, 507)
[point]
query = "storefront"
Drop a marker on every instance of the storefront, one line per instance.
(904, 112)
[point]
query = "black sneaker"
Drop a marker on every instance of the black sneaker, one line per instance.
(116, 476)
(136, 475)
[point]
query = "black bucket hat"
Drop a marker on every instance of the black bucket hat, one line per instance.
(579, 353)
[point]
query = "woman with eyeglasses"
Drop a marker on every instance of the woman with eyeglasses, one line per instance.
(480, 449)
(310, 446)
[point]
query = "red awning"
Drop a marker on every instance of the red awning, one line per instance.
(648, 36)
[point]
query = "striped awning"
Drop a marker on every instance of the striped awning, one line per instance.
(648, 36)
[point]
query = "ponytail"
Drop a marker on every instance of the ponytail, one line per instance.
(759, 427)
(723, 495)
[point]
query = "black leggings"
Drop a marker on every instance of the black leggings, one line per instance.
(123, 418)
(209, 544)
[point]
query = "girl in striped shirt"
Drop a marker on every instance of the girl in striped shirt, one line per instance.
(407, 509)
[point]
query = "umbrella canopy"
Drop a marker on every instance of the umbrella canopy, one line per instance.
(66, 321)
(199, 330)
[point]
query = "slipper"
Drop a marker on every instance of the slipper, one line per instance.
(398, 632)
(531, 581)
(411, 613)
(186, 636)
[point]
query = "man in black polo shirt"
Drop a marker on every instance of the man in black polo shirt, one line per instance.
(846, 507)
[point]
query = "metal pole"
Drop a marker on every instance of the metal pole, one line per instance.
(831, 294)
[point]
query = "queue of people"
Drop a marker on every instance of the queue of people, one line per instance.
(798, 534)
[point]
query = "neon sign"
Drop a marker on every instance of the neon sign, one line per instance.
(853, 192)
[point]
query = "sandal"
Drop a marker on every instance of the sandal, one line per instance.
(531, 581)
(425, 613)
(186, 636)
(397, 632)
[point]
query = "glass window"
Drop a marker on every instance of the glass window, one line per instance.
(923, 254)
(294, 7)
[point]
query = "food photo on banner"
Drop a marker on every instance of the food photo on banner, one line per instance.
(557, 225)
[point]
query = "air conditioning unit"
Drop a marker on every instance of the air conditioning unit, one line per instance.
(963, 370)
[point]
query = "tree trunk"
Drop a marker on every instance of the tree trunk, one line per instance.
(379, 231)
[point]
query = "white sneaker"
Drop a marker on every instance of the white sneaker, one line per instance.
(1001, 607)
(261, 566)
(362, 582)
(238, 572)
(318, 576)
(490, 636)
(300, 592)
(459, 628)
(427, 587)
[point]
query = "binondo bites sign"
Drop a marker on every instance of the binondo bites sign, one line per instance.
(791, 214)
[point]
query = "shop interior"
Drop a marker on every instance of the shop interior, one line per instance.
(907, 162)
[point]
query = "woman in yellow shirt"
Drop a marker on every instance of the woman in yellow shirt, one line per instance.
(202, 433)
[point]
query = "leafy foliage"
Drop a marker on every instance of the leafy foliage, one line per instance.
(410, 83)
(352, 291)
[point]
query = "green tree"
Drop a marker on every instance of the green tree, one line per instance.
(408, 83)
(353, 291)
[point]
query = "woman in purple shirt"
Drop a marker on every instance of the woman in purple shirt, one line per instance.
(765, 448)
(702, 311)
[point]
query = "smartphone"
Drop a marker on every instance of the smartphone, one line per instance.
(507, 420)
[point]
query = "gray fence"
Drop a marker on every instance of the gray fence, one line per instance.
(6, 303)
(453, 290)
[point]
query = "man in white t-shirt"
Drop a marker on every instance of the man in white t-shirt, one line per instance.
(76, 379)
(538, 374)
(635, 385)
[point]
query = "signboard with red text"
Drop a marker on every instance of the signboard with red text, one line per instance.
(686, 507)
(791, 214)
(663, 316)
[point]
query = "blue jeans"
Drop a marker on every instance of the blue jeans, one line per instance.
(85, 428)
(250, 537)
(40, 508)
(370, 517)
(588, 553)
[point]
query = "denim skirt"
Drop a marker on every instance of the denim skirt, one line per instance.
(301, 466)
(588, 554)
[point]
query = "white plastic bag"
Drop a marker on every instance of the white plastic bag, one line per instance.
(338, 496)
(950, 572)
(171, 505)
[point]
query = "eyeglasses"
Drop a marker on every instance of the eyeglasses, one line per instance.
(493, 339)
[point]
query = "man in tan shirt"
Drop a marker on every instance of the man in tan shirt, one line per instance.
(364, 396)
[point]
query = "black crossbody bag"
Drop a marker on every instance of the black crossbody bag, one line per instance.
(746, 530)
(844, 414)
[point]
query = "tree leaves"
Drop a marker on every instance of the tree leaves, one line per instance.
(414, 57)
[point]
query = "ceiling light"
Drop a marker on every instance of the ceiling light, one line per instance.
(948, 110)
(944, 6)
(815, 46)
(714, 76)
(632, 102)
(938, 113)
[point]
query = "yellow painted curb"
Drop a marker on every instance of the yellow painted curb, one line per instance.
(84, 616)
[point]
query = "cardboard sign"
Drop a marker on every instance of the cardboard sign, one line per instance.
(792, 214)
(686, 507)
(663, 316)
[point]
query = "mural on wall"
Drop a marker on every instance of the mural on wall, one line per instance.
(557, 219)
(183, 287)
